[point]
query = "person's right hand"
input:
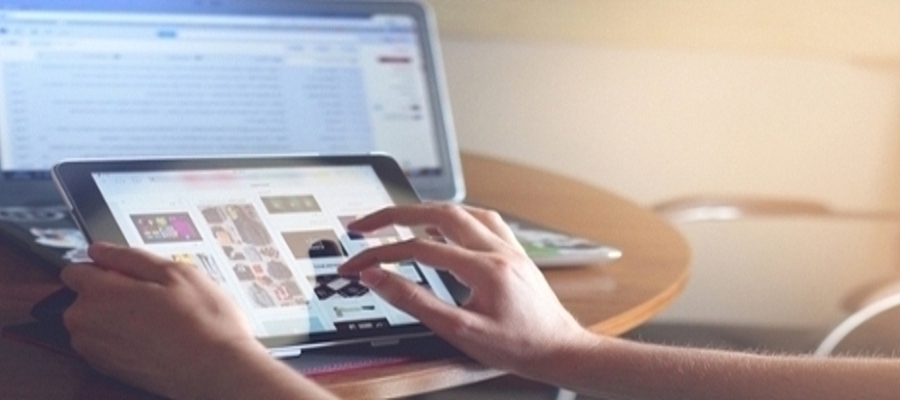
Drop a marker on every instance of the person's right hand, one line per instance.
(512, 319)
(151, 321)
(167, 328)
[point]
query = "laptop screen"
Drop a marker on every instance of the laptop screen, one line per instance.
(179, 78)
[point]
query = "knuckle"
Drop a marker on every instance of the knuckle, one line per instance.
(462, 326)
(71, 323)
(74, 275)
(390, 296)
(451, 211)
(81, 346)
(419, 243)
(408, 296)
(171, 270)
(396, 292)
(72, 319)
(377, 255)
(492, 216)
(77, 344)
(184, 270)
(500, 263)
(65, 275)
(443, 207)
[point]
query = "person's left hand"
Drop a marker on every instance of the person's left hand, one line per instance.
(155, 323)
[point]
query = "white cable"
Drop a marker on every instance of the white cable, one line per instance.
(565, 394)
(854, 321)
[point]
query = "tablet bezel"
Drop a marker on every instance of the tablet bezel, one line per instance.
(75, 182)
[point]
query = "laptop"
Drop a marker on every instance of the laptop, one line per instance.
(117, 79)
(169, 78)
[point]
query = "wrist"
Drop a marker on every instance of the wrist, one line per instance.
(226, 372)
(555, 364)
(250, 372)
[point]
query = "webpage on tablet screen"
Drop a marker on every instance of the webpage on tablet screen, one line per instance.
(275, 248)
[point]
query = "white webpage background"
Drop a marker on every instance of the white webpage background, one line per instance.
(85, 85)
(339, 192)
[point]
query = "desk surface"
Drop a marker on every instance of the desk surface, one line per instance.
(610, 300)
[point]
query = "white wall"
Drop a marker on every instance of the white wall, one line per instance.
(654, 124)
(662, 99)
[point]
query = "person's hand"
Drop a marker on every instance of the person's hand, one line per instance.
(153, 322)
(512, 319)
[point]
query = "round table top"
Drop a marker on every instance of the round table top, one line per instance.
(609, 299)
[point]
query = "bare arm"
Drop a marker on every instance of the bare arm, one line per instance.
(623, 369)
(514, 321)
(165, 327)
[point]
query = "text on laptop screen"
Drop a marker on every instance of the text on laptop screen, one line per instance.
(272, 238)
(99, 84)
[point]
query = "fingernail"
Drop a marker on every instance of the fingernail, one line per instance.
(371, 277)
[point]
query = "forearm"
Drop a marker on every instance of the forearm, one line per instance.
(253, 374)
(622, 369)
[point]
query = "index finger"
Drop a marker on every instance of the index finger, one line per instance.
(453, 221)
(462, 263)
(495, 222)
(136, 263)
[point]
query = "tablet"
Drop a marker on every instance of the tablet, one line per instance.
(271, 231)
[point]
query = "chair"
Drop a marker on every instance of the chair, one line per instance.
(873, 328)
(728, 208)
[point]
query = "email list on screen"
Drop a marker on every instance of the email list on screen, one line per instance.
(145, 85)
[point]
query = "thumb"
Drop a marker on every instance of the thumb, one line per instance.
(135, 263)
(413, 299)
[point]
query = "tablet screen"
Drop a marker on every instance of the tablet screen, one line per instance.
(272, 238)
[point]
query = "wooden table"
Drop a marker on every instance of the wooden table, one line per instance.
(610, 300)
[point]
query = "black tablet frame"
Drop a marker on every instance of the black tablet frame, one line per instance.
(76, 184)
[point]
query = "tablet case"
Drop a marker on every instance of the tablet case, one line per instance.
(49, 333)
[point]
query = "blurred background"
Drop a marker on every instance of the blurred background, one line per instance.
(657, 100)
